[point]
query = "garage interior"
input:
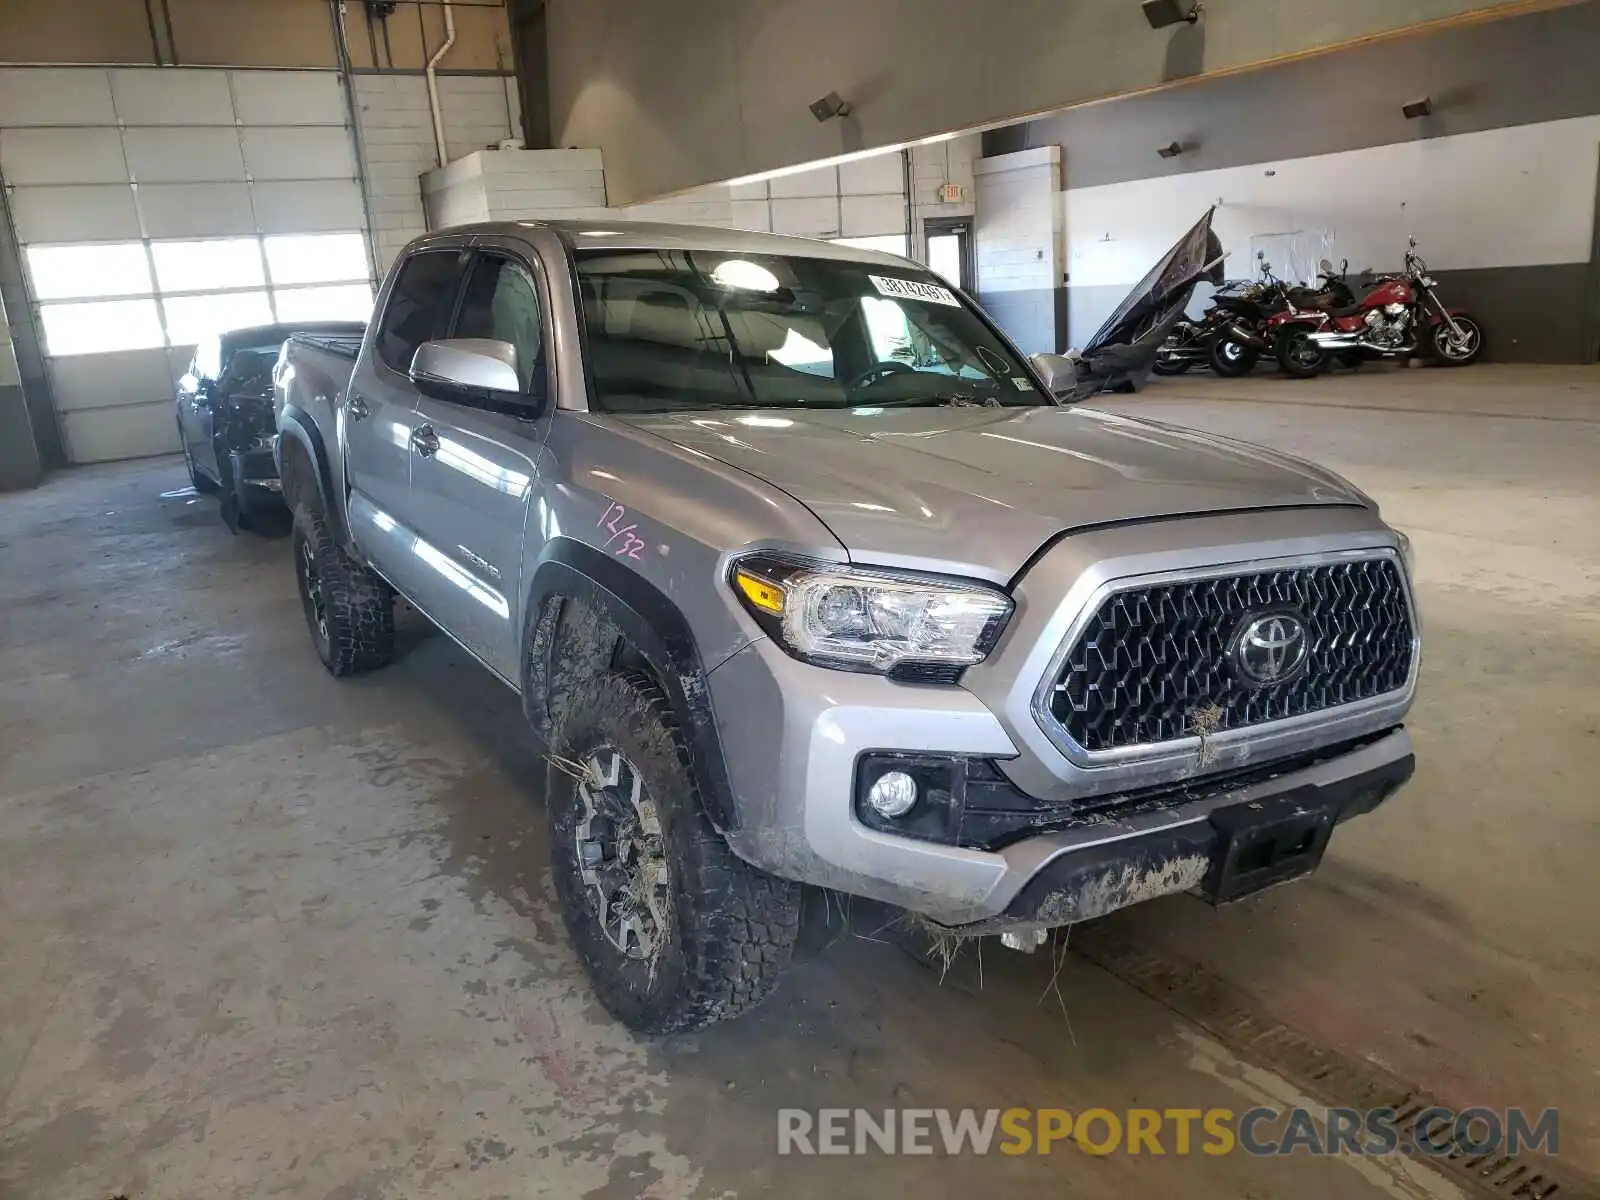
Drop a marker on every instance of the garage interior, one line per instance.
(265, 931)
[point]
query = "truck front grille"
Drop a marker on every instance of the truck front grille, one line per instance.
(1159, 662)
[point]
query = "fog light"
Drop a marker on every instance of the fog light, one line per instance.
(893, 794)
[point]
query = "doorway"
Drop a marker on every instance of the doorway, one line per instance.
(949, 242)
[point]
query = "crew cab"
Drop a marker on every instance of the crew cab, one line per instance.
(805, 577)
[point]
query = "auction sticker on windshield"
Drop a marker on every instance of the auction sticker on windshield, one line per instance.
(910, 289)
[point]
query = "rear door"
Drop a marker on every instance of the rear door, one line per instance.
(473, 468)
(379, 412)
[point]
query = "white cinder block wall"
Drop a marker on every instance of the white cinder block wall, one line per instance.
(934, 165)
(1019, 243)
(396, 131)
(1513, 197)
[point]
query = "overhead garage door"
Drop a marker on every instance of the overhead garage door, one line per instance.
(155, 206)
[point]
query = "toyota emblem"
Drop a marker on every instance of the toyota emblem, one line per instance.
(1270, 648)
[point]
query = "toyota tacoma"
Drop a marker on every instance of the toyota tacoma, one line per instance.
(805, 575)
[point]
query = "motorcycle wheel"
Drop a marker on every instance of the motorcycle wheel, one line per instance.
(1451, 352)
(1231, 359)
(1168, 366)
(1299, 356)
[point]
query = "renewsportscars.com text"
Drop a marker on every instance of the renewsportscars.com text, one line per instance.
(1176, 1131)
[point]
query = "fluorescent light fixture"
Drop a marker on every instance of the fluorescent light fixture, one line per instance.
(817, 164)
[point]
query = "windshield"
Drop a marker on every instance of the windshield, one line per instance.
(700, 329)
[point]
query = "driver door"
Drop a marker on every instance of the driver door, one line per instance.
(474, 472)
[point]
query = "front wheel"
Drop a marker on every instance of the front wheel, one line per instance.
(1457, 349)
(675, 931)
(1231, 359)
(1298, 355)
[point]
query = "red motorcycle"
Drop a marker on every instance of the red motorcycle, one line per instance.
(1399, 317)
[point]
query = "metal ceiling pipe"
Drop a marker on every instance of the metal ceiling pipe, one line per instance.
(433, 78)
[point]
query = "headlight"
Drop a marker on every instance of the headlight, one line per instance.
(263, 441)
(861, 620)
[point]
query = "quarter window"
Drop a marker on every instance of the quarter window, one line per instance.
(419, 306)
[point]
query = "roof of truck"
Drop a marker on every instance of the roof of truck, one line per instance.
(600, 234)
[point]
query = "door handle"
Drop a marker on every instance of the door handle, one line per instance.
(425, 441)
(357, 408)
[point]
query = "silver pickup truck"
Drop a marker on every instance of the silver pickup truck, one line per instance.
(804, 576)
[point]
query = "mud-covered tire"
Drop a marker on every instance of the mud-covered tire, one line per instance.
(729, 927)
(349, 609)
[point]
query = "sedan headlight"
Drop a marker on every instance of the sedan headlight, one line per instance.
(863, 620)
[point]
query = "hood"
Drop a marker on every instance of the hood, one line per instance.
(976, 491)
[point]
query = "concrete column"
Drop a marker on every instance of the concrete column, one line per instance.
(1020, 247)
(19, 452)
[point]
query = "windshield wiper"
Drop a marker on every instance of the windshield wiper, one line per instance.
(952, 399)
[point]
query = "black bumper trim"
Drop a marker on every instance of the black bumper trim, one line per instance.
(1083, 884)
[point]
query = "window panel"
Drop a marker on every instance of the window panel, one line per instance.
(944, 256)
(71, 272)
(193, 318)
(102, 326)
(346, 302)
(316, 257)
(208, 265)
(889, 243)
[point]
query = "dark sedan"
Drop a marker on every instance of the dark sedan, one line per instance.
(225, 417)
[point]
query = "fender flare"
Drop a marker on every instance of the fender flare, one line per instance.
(295, 423)
(655, 627)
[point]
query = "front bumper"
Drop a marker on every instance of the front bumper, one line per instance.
(793, 736)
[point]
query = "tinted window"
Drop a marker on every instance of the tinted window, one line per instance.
(502, 303)
(418, 306)
(698, 329)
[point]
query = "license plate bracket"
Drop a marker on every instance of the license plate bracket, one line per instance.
(1267, 842)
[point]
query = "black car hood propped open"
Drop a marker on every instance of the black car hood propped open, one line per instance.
(1123, 349)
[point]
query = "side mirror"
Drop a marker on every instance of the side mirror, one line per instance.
(1059, 373)
(464, 370)
(1327, 267)
(1413, 240)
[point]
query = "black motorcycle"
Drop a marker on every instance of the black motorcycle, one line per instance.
(1229, 338)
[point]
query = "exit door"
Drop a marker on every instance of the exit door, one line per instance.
(950, 250)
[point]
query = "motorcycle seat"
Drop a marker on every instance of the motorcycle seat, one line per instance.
(1348, 310)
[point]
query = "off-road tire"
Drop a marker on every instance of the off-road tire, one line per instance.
(357, 632)
(730, 927)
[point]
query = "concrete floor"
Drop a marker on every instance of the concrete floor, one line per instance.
(263, 933)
